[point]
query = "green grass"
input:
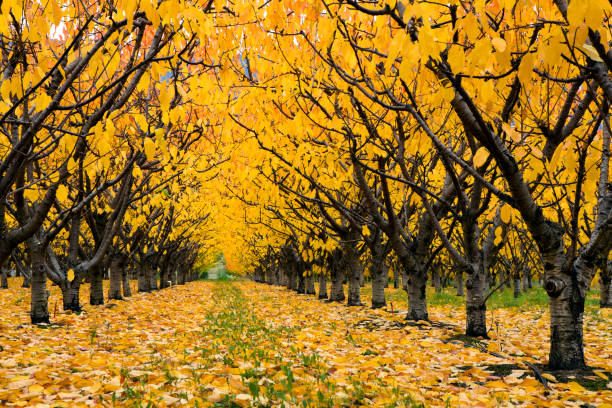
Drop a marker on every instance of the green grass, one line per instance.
(503, 298)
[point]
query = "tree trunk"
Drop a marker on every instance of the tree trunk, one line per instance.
(417, 305)
(354, 271)
(337, 288)
(39, 312)
(4, 278)
(475, 306)
(152, 275)
(379, 274)
(301, 287)
(114, 289)
(605, 280)
(516, 281)
(70, 295)
(459, 282)
(526, 273)
(395, 276)
(143, 281)
(125, 278)
(96, 288)
(310, 287)
(436, 278)
(566, 303)
(322, 286)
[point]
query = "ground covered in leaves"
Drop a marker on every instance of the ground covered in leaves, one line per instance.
(247, 344)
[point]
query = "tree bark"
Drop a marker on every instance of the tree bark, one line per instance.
(337, 278)
(125, 278)
(96, 288)
(152, 276)
(379, 274)
(114, 289)
(516, 283)
(416, 288)
(322, 286)
(476, 308)
(354, 270)
(143, 281)
(39, 312)
(4, 278)
(310, 287)
(459, 282)
(605, 286)
(70, 295)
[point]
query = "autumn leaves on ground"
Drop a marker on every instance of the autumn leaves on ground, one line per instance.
(239, 343)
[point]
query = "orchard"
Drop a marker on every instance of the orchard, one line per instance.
(305, 203)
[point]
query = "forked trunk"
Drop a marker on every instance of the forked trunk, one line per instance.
(114, 289)
(416, 288)
(96, 288)
(322, 286)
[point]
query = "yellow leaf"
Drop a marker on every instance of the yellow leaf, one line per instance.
(499, 44)
(62, 193)
(575, 387)
(506, 214)
(36, 389)
(480, 157)
(591, 52)
(549, 377)
(149, 149)
(70, 275)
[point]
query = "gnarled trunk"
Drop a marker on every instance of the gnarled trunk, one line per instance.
(354, 270)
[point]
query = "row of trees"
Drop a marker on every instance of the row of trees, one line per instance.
(104, 155)
(471, 136)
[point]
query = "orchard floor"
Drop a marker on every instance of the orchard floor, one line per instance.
(247, 344)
